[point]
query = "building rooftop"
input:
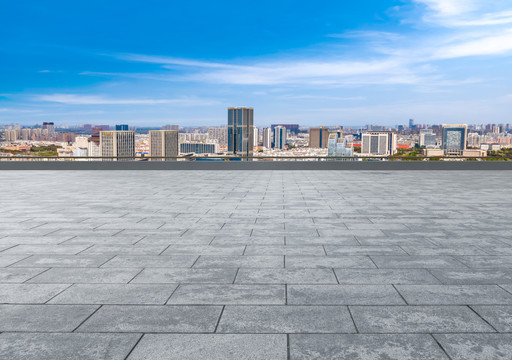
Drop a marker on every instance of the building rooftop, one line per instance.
(255, 265)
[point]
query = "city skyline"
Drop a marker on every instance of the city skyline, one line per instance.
(436, 61)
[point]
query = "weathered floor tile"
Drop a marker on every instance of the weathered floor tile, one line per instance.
(195, 275)
(285, 276)
(18, 275)
(6, 260)
(329, 262)
(363, 250)
(473, 276)
(86, 276)
(477, 346)
(286, 319)
(499, 316)
(417, 319)
(40, 346)
(63, 261)
(151, 261)
(429, 262)
(229, 295)
(208, 261)
(486, 262)
(454, 294)
(343, 295)
(313, 250)
(365, 347)
(384, 276)
(204, 249)
(29, 293)
(45, 249)
(140, 319)
(47, 318)
(211, 347)
(115, 294)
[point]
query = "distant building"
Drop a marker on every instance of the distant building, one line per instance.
(220, 134)
(199, 148)
(171, 127)
(256, 138)
(454, 138)
(411, 124)
(117, 144)
(48, 129)
(93, 146)
(267, 138)
(318, 137)
(279, 137)
(381, 143)
(121, 127)
(474, 140)
(292, 128)
(163, 143)
(427, 138)
(240, 131)
(338, 145)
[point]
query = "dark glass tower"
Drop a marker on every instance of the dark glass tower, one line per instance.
(240, 131)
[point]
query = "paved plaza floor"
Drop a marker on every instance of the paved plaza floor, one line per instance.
(255, 265)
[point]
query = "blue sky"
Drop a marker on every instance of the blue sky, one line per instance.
(313, 63)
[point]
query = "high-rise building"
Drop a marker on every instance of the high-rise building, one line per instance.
(240, 131)
(338, 145)
(50, 129)
(199, 148)
(256, 134)
(411, 124)
(93, 146)
(163, 143)
(381, 143)
(121, 127)
(117, 144)
(26, 134)
(318, 137)
(474, 140)
(171, 127)
(292, 128)
(267, 138)
(454, 138)
(427, 138)
(218, 133)
(279, 137)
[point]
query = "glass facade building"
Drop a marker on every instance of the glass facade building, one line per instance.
(240, 131)
(455, 137)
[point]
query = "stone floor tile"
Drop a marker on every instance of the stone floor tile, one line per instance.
(208, 261)
(429, 262)
(454, 294)
(477, 346)
(285, 276)
(417, 319)
(211, 347)
(286, 319)
(343, 295)
(153, 319)
(63, 261)
(41, 346)
(29, 293)
(499, 316)
(151, 261)
(473, 276)
(329, 262)
(195, 275)
(384, 276)
(86, 276)
(365, 347)
(18, 275)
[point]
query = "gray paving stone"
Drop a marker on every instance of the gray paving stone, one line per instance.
(343, 295)
(151, 261)
(315, 250)
(365, 347)
(115, 294)
(417, 319)
(63, 261)
(363, 250)
(47, 318)
(285, 276)
(500, 317)
(6, 260)
(13, 275)
(207, 261)
(473, 276)
(486, 262)
(124, 250)
(429, 262)
(286, 319)
(205, 249)
(41, 346)
(153, 319)
(329, 262)
(45, 249)
(211, 346)
(229, 295)
(196, 275)
(477, 346)
(86, 275)
(29, 293)
(454, 294)
(385, 276)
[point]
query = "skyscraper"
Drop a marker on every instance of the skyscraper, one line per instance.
(454, 138)
(267, 138)
(256, 140)
(378, 143)
(240, 131)
(50, 129)
(117, 144)
(318, 137)
(279, 137)
(163, 143)
(427, 138)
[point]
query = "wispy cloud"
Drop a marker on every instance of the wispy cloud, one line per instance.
(72, 99)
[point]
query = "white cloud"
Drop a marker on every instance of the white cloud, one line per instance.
(72, 99)
(490, 45)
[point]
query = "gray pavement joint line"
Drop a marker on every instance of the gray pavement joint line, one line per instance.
(10, 247)
(245, 249)
(60, 292)
(441, 347)
(288, 356)
(133, 278)
(192, 266)
(325, 251)
(167, 247)
(42, 272)
(87, 248)
(373, 261)
(117, 233)
(142, 238)
(65, 241)
(352, 318)
(481, 317)
(286, 294)
(169, 298)
(99, 266)
(134, 346)
(236, 274)
(35, 227)
(87, 318)
(218, 320)
(359, 242)
(501, 287)
(25, 258)
(394, 287)
(335, 276)
(431, 273)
